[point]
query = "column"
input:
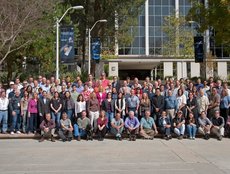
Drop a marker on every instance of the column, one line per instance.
(147, 27)
(222, 70)
(195, 69)
(113, 68)
(168, 69)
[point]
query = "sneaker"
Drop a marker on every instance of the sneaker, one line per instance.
(193, 138)
(180, 137)
(52, 139)
(220, 138)
(134, 138)
(190, 138)
(18, 132)
(42, 139)
(11, 133)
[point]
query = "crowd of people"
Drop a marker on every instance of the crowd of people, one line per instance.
(76, 110)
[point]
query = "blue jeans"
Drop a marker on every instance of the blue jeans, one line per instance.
(110, 116)
(3, 119)
(56, 117)
(191, 130)
(78, 132)
(16, 121)
(69, 113)
(32, 125)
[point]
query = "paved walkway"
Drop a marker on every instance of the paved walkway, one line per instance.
(143, 156)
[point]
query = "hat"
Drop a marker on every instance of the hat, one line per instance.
(11, 83)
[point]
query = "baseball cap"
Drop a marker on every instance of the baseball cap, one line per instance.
(11, 83)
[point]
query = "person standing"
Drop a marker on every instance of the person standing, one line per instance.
(4, 102)
(15, 109)
(43, 106)
(24, 110)
(56, 106)
(33, 113)
(132, 103)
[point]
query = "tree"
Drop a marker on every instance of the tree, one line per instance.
(216, 16)
(179, 42)
(21, 22)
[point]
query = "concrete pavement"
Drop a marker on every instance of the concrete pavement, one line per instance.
(143, 156)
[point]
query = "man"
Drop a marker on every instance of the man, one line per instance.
(10, 89)
(4, 102)
(82, 126)
(125, 87)
(17, 82)
(218, 125)
(148, 126)
(214, 103)
(47, 127)
(171, 104)
(117, 126)
(132, 103)
(165, 126)
(43, 106)
(205, 125)
(116, 83)
(66, 130)
(202, 102)
(15, 109)
(179, 125)
(57, 85)
(158, 104)
(132, 125)
(104, 81)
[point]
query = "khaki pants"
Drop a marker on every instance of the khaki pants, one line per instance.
(204, 131)
(217, 132)
(147, 133)
(171, 113)
(48, 134)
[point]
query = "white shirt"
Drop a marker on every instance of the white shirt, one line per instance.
(4, 102)
(80, 106)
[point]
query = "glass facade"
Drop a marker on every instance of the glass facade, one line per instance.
(157, 11)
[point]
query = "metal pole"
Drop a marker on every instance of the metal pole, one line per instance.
(57, 49)
(89, 56)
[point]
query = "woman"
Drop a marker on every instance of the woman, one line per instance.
(120, 105)
(108, 107)
(66, 130)
(29, 89)
(224, 104)
(114, 94)
(86, 93)
(101, 95)
(181, 100)
(102, 121)
(50, 95)
(145, 105)
(68, 105)
(33, 113)
(191, 126)
(93, 108)
(24, 108)
(138, 93)
(56, 106)
(192, 105)
(80, 105)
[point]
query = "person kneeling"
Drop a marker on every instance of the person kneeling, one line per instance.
(47, 127)
(83, 128)
(218, 125)
(101, 126)
(148, 126)
(66, 131)
(132, 125)
(117, 126)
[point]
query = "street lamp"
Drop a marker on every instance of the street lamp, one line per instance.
(89, 38)
(57, 36)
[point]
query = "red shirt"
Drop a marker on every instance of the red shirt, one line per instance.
(102, 122)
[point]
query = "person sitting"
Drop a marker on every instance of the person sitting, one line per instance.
(132, 126)
(117, 126)
(82, 127)
(165, 125)
(66, 129)
(179, 125)
(148, 126)
(227, 127)
(191, 126)
(218, 125)
(205, 125)
(101, 125)
(47, 127)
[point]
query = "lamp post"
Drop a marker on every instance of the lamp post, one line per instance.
(57, 36)
(89, 38)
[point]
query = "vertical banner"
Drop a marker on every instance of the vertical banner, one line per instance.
(199, 48)
(67, 51)
(96, 48)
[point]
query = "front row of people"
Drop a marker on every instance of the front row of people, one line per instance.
(146, 127)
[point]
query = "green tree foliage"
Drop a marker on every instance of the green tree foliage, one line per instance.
(216, 16)
(179, 34)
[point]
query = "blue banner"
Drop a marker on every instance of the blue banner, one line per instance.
(96, 48)
(199, 48)
(67, 51)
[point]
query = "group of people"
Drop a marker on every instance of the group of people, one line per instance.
(96, 107)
